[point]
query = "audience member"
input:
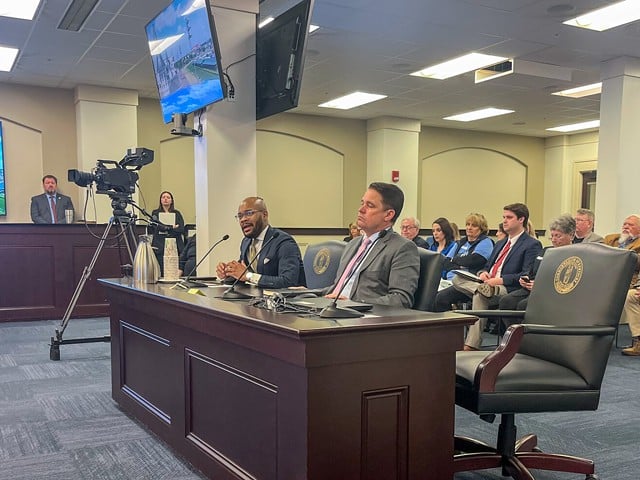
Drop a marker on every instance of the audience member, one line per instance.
(469, 254)
(510, 259)
(187, 260)
(456, 231)
(500, 233)
(562, 230)
(531, 230)
(354, 232)
(442, 233)
(162, 231)
(409, 229)
(383, 267)
(585, 220)
(49, 207)
(276, 264)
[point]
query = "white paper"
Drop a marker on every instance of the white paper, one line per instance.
(167, 218)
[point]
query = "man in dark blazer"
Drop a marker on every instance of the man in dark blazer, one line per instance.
(42, 211)
(278, 261)
(386, 266)
(511, 258)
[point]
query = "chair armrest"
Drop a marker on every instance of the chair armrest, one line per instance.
(493, 313)
(489, 369)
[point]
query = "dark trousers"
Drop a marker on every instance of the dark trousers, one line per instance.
(516, 300)
(448, 296)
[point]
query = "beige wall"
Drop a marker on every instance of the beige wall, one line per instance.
(39, 138)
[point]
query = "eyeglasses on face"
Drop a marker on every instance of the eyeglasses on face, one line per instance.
(247, 213)
(408, 227)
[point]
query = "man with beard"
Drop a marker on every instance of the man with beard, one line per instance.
(629, 239)
(49, 207)
(277, 264)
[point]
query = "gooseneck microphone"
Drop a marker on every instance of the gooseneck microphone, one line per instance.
(187, 282)
(333, 310)
(230, 293)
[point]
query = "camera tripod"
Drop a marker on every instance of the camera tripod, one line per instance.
(125, 221)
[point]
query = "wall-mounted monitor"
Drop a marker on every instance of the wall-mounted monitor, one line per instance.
(280, 52)
(3, 192)
(186, 57)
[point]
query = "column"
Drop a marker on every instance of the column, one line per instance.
(392, 144)
(618, 166)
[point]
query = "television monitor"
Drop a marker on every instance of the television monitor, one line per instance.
(186, 57)
(3, 192)
(280, 52)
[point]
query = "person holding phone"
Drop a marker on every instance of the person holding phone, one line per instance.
(562, 231)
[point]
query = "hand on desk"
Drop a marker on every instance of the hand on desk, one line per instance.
(232, 269)
(333, 295)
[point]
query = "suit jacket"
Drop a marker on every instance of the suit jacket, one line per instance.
(519, 262)
(279, 262)
(40, 212)
(613, 241)
(592, 237)
(389, 274)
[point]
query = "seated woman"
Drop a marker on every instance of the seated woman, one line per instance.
(562, 231)
(354, 232)
(443, 240)
(470, 254)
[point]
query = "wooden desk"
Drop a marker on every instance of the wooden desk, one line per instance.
(42, 265)
(247, 393)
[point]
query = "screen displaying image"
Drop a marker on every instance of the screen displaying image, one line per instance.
(3, 193)
(185, 57)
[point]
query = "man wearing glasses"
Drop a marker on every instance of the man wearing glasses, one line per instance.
(277, 264)
(409, 229)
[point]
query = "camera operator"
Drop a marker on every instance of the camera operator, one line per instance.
(162, 232)
(50, 206)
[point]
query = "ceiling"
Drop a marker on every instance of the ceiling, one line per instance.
(368, 45)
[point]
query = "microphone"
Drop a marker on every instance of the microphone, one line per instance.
(187, 282)
(230, 293)
(333, 310)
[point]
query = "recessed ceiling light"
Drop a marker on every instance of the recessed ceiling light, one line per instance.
(7, 57)
(352, 100)
(583, 91)
(478, 114)
(576, 126)
(266, 21)
(24, 9)
(465, 63)
(608, 17)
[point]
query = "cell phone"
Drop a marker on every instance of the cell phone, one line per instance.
(525, 278)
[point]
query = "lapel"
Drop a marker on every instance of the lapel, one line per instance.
(349, 251)
(375, 251)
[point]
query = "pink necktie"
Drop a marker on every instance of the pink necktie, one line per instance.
(53, 209)
(500, 259)
(354, 261)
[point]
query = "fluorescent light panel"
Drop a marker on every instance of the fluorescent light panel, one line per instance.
(478, 114)
(7, 58)
(608, 17)
(352, 100)
(266, 21)
(465, 63)
(583, 91)
(576, 126)
(24, 9)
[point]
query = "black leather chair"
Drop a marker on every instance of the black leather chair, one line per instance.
(430, 275)
(553, 361)
(321, 262)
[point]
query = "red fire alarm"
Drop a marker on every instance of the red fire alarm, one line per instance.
(395, 176)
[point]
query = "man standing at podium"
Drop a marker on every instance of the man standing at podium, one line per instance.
(383, 267)
(50, 206)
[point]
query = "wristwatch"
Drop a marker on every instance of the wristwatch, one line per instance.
(248, 276)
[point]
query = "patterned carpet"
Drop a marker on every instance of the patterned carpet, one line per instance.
(58, 421)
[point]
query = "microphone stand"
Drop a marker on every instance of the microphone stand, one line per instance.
(333, 310)
(230, 293)
(187, 282)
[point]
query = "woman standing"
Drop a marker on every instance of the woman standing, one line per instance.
(163, 231)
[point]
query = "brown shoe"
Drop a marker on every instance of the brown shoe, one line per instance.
(487, 290)
(634, 349)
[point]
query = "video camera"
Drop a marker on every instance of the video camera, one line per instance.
(120, 179)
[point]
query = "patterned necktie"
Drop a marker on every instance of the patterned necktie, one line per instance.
(353, 263)
(53, 209)
(253, 255)
(500, 259)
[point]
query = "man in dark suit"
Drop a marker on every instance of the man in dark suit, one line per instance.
(381, 267)
(511, 258)
(278, 263)
(49, 207)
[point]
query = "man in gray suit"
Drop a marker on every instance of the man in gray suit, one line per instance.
(585, 219)
(49, 207)
(381, 267)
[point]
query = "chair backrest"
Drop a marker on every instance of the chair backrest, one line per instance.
(321, 262)
(578, 285)
(429, 280)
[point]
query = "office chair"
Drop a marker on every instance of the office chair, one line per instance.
(429, 280)
(321, 262)
(554, 361)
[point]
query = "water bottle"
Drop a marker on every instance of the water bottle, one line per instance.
(146, 268)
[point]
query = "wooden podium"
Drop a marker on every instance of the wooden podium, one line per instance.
(246, 393)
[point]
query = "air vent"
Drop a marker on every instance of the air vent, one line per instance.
(494, 71)
(76, 14)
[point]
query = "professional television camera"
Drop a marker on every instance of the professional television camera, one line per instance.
(120, 179)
